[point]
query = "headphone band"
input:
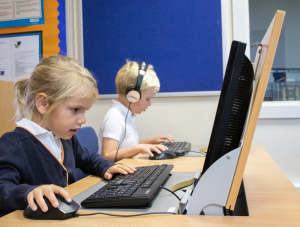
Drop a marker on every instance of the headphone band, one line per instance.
(142, 70)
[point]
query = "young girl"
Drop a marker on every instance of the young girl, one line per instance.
(39, 157)
(117, 139)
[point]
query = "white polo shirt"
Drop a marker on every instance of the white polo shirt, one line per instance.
(113, 126)
(52, 142)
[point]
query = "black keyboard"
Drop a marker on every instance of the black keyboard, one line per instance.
(132, 190)
(178, 148)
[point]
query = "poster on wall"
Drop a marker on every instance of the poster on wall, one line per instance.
(19, 54)
(21, 12)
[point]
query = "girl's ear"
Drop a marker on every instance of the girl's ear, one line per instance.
(42, 103)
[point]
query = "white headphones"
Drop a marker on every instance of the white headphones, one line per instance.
(133, 94)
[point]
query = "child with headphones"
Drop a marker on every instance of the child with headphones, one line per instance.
(136, 84)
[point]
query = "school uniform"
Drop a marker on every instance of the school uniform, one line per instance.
(113, 126)
(26, 163)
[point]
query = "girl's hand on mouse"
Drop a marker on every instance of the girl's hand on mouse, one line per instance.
(124, 169)
(49, 191)
(162, 138)
(149, 148)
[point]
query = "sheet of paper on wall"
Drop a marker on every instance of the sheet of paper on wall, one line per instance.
(28, 9)
(5, 66)
(21, 12)
(6, 10)
(18, 57)
(24, 55)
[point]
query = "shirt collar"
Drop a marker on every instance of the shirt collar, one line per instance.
(32, 127)
(121, 107)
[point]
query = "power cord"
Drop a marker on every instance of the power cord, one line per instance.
(120, 215)
(124, 133)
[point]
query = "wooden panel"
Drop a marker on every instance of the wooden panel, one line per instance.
(7, 112)
(263, 67)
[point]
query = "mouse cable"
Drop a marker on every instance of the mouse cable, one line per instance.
(124, 216)
(171, 192)
(124, 133)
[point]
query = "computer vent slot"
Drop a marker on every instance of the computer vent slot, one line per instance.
(239, 110)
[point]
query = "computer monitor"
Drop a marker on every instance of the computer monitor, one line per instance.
(220, 190)
(231, 116)
(233, 105)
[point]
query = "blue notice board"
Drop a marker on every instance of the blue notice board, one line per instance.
(181, 39)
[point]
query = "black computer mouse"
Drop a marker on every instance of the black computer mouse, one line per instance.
(163, 155)
(64, 210)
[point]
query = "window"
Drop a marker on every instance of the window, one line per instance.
(284, 81)
(251, 19)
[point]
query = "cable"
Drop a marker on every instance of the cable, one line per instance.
(124, 133)
(171, 192)
(202, 153)
(120, 215)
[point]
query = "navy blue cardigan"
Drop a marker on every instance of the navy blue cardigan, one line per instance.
(25, 163)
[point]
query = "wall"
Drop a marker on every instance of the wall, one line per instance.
(280, 137)
(186, 118)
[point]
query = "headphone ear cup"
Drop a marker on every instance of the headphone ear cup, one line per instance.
(132, 95)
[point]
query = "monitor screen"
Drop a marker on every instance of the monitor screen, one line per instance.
(232, 108)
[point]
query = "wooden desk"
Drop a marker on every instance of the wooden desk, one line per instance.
(272, 199)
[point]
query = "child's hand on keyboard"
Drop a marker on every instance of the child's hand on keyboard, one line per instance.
(123, 169)
(161, 139)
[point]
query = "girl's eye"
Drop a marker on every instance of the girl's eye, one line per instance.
(75, 109)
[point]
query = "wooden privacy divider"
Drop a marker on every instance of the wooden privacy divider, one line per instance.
(262, 70)
(7, 112)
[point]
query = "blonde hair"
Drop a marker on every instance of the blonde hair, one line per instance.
(59, 78)
(127, 77)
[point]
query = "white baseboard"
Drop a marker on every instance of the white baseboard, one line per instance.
(297, 185)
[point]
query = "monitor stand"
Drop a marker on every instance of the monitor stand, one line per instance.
(211, 192)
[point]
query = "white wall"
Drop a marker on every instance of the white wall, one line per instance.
(280, 137)
(186, 118)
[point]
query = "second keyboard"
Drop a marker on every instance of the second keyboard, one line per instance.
(178, 148)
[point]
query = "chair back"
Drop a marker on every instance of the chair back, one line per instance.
(87, 137)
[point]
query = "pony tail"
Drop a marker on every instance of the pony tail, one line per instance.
(20, 101)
